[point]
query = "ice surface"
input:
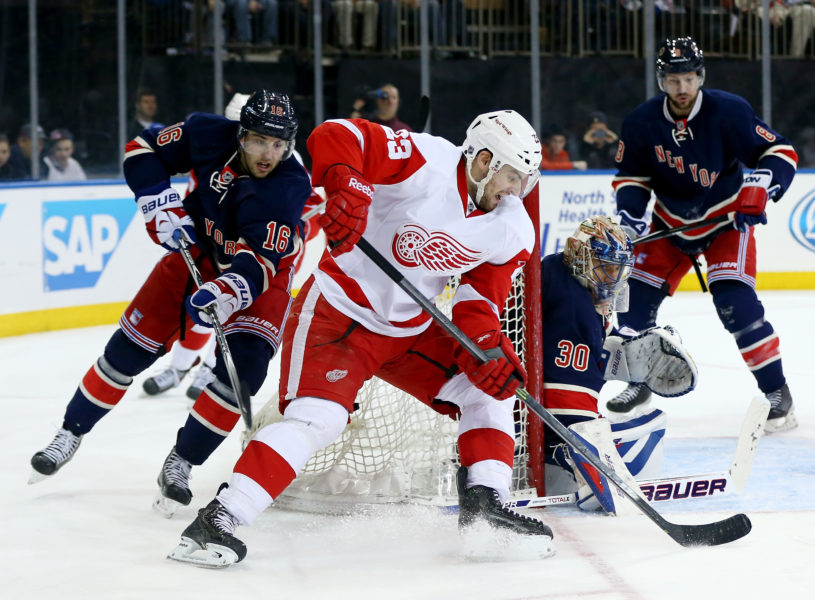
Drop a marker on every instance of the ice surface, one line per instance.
(89, 531)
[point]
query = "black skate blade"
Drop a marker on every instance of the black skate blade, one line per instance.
(711, 534)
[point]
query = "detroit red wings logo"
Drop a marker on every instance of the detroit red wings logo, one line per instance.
(414, 246)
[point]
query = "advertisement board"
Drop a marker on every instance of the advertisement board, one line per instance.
(74, 254)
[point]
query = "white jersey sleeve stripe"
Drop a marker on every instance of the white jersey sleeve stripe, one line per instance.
(353, 129)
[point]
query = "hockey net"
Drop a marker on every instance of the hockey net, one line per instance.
(397, 450)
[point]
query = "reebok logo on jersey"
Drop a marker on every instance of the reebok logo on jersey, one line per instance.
(361, 187)
(336, 375)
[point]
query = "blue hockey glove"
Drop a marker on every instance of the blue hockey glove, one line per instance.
(752, 199)
(164, 213)
(634, 227)
(227, 294)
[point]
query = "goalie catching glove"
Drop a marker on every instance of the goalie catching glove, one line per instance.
(503, 372)
(164, 213)
(346, 209)
(655, 357)
(225, 295)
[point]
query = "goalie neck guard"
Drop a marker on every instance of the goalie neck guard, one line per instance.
(511, 140)
(601, 257)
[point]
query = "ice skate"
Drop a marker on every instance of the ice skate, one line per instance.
(489, 531)
(203, 376)
(174, 485)
(782, 411)
(161, 382)
(50, 460)
(631, 397)
(209, 541)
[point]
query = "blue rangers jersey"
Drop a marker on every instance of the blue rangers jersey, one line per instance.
(246, 225)
(573, 337)
(694, 165)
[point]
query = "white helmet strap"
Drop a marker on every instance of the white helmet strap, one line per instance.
(479, 185)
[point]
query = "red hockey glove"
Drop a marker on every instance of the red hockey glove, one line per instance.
(346, 210)
(163, 214)
(502, 374)
(752, 199)
(227, 294)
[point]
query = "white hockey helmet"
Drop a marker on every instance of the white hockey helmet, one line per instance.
(601, 258)
(511, 140)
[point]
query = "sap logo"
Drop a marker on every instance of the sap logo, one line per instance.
(2, 208)
(802, 221)
(78, 238)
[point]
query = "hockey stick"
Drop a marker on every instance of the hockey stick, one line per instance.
(709, 534)
(693, 487)
(658, 235)
(424, 114)
(239, 387)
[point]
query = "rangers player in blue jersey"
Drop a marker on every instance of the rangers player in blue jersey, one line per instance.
(242, 220)
(582, 288)
(687, 146)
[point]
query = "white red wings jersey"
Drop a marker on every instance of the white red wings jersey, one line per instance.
(423, 221)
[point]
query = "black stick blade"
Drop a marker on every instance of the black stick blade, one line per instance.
(711, 534)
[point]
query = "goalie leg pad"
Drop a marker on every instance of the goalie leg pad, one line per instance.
(640, 443)
(594, 490)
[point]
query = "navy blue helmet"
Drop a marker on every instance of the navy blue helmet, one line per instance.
(269, 113)
(680, 55)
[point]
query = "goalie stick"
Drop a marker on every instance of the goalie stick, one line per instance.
(708, 534)
(239, 387)
(692, 487)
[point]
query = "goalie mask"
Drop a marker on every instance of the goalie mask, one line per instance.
(511, 140)
(601, 257)
(680, 55)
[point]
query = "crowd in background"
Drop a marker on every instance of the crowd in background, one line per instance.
(385, 29)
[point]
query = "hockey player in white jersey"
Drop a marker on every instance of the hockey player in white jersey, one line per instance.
(434, 210)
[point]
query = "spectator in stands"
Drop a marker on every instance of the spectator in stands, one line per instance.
(388, 26)
(800, 12)
(265, 10)
(344, 11)
(387, 107)
(555, 157)
(8, 169)
(436, 23)
(146, 108)
(21, 151)
(62, 166)
(599, 144)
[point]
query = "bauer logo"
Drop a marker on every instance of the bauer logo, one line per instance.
(79, 238)
(802, 221)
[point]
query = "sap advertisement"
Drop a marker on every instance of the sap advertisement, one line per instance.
(74, 245)
(71, 245)
(785, 244)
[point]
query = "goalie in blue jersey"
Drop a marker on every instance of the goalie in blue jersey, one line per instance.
(688, 146)
(582, 288)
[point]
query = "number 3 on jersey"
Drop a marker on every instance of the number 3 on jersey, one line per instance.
(278, 238)
(399, 145)
(571, 355)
